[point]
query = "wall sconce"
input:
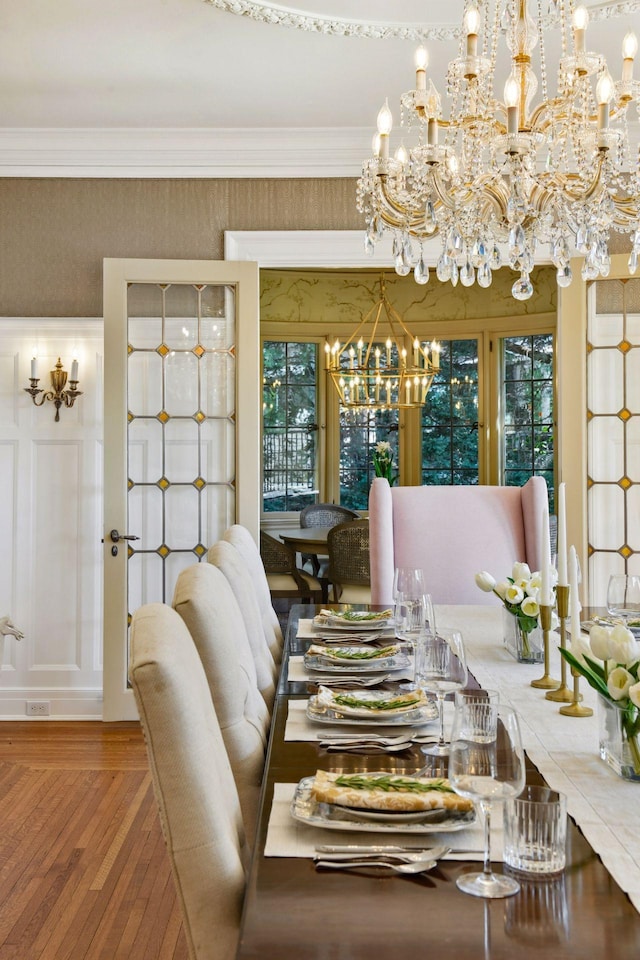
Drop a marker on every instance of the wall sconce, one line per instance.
(58, 381)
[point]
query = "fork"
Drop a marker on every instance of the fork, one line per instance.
(418, 866)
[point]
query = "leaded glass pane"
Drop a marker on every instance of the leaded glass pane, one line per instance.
(181, 450)
(217, 396)
(145, 450)
(145, 394)
(145, 574)
(181, 517)
(146, 516)
(181, 333)
(217, 451)
(181, 384)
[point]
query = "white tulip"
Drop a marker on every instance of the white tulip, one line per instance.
(529, 607)
(520, 571)
(599, 641)
(514, 593)
(634, 693)
(501, 588)
(580, 646)
(619, 682)
(623, 646)
(532, 589)
(485, 581)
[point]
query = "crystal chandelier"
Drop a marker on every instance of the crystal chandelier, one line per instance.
(389, 373)
(500, 177)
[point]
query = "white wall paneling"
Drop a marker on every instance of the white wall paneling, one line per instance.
(51, 522)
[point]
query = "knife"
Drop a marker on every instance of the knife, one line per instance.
(348, 849)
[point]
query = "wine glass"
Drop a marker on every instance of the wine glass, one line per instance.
(408, 582)
(623, 597)
(441, 668)
(487, 769)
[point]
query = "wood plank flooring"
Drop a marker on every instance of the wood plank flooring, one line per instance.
(84, 873)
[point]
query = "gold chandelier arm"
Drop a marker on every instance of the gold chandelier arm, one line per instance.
(354, 336)
(395, 214)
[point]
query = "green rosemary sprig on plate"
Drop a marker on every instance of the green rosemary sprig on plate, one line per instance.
(346, 700)
(372, 653)
(392, 784)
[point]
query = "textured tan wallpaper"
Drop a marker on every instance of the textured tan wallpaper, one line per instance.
(55, 232)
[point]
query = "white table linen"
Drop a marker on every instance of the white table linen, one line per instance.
(564, 749)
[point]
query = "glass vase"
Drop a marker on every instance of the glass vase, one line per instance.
(525, 647)
(619, 738)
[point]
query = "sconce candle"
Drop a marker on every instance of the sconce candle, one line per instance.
(34, 368)
(58, 395)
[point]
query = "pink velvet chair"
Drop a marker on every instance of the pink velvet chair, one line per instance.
(453, 532)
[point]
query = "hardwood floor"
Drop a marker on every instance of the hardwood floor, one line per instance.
(84, 873)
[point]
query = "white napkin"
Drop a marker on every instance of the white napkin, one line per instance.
(298, 671)
(299, 727)
(287, 837)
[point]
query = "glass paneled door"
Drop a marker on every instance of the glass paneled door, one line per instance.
(182, 416)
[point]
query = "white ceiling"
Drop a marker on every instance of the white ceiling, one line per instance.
(186, 87)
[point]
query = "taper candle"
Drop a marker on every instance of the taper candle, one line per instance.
(562, 537)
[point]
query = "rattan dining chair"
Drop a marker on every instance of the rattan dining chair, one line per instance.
(192, 780)
(323, 515)
(284, 577)
(349, 571)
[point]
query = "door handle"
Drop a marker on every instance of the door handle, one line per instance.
(115, 536)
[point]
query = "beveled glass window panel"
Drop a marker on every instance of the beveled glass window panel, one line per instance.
(181, 300)
(218, 509)
(605, 381)
(181, 333)
(217, 439)
(217, 371)
(144, 446)
(174, 564)
(145, 516)
(633, 517)
(632, 371)
(606, 449)
(601, 567)
(606, 516)
(181, 384)
(606, 330)
(217, 325)
(632, 431)
(633, 329)
(145, 333)
(144, 373)
(182, 520)
(633, 565)
(181, 439)
(145, 574)
(144, 300)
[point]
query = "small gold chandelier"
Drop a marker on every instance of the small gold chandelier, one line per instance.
(382, 374)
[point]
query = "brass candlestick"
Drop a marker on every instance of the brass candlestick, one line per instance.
(562, 694)
(546, 682)
(575, 708)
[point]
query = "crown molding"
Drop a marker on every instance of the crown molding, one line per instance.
(234, 153)
(189, 152)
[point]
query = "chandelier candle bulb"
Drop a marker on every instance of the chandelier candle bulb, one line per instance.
(604, 93)
(432, 132)
(471, 26)
(580, 22)
(511, 97)
(377, 356)
(421, 60)
(629, 50)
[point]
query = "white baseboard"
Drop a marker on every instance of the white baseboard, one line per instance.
(63, 705)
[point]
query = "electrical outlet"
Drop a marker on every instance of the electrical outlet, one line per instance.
(38, 708)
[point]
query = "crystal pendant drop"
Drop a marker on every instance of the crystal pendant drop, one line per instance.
(407, 251)
(517, 241)
(564, 275)
(443, 268)
(396, 248)
(379, 227)
(582, 239)
(484, 275)
(402, 268)
(430, 222)
(467, 274)
(633, 261)
(496, 258)
(369, 246)
(454, 274)
(421, 271)
(522, 288)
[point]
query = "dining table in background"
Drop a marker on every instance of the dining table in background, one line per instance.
(294, 912)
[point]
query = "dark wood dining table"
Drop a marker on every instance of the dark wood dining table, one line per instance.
(294, 912)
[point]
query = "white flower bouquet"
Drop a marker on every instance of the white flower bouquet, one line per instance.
(520, 593)
(610, 663)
